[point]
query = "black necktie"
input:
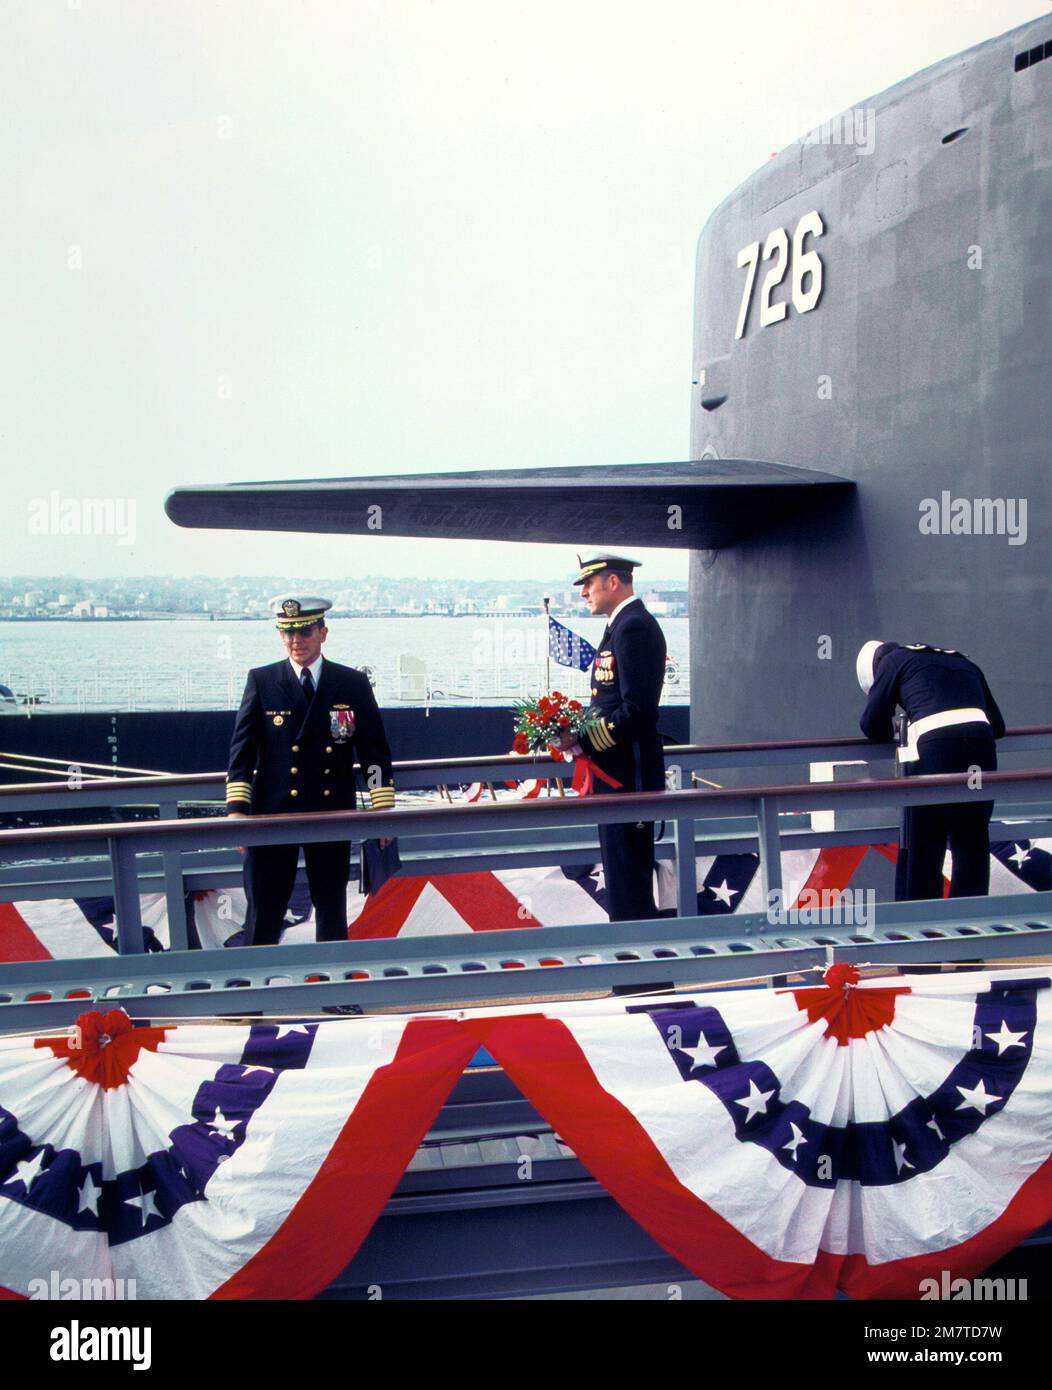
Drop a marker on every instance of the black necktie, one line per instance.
(307, 681)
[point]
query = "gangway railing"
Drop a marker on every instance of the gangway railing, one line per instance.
(168, 791)
(479, 843)
(122, 842)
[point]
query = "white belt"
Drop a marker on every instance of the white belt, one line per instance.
(946, 719)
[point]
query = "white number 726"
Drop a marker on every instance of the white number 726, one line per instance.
(804, 263)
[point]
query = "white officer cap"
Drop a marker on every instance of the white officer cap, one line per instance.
(292, 611)
(602, 564)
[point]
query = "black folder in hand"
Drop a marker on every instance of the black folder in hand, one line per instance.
(378, 865)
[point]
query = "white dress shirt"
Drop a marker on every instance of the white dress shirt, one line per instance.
(314, 668)
(632, 598)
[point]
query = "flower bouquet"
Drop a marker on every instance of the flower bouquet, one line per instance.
(540, 723)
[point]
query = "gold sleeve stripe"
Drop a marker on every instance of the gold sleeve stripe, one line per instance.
(601, 734)
(382, 798)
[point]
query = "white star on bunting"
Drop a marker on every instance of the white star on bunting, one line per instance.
(90, 1193)
(755, 1102)
(704, 1054)
(977, 1098)
(901, 1161)
(146, 1203)
(724, 893)
(28, 1170)
(284, 1028)
(221, 1125)
(1020, 857)
(796, 1141)
(1005, 1038)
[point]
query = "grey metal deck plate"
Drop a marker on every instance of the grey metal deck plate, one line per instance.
(540, 963)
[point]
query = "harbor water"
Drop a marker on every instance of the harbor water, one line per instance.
(197, 664)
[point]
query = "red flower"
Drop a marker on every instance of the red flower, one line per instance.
(520, 745)
(557, 753)
(575, 705)
(564, 721)
(558, 696)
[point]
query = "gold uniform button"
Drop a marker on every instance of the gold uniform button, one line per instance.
(327, 771)
(325, 792)
(294, 770)
(328, 750)
(594, 690)
(294, 792)
(295, 748)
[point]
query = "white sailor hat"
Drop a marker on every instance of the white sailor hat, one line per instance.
(293, 611)
(601, 563)
(866, 662)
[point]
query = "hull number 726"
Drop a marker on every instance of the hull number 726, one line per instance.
(806, 265)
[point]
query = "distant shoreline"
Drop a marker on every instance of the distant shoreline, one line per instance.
(264, 618)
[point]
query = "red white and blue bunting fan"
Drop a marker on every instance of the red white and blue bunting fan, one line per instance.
(789, 1144)
(857, 1136)
(210, 1161)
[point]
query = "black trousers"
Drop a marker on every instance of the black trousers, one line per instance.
(628, 868)
(964, 826)
(270, 873)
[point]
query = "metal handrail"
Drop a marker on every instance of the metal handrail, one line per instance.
(428, 770)
(123, 840)
(313, 826)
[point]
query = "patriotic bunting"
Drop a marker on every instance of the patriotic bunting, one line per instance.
(855, 1136)
(214, 1161)
(489, 901)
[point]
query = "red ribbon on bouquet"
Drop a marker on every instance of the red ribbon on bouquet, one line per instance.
(584, 773)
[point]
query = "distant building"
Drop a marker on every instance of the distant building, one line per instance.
(666, 603)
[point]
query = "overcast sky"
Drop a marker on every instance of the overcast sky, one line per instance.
(264, 239)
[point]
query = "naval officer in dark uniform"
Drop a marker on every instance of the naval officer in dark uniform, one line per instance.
(952, 721)
(303, 724)
(627, 676)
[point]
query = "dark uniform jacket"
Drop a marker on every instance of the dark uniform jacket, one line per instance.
(627, 676)
(927, 682)
(288, 754)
